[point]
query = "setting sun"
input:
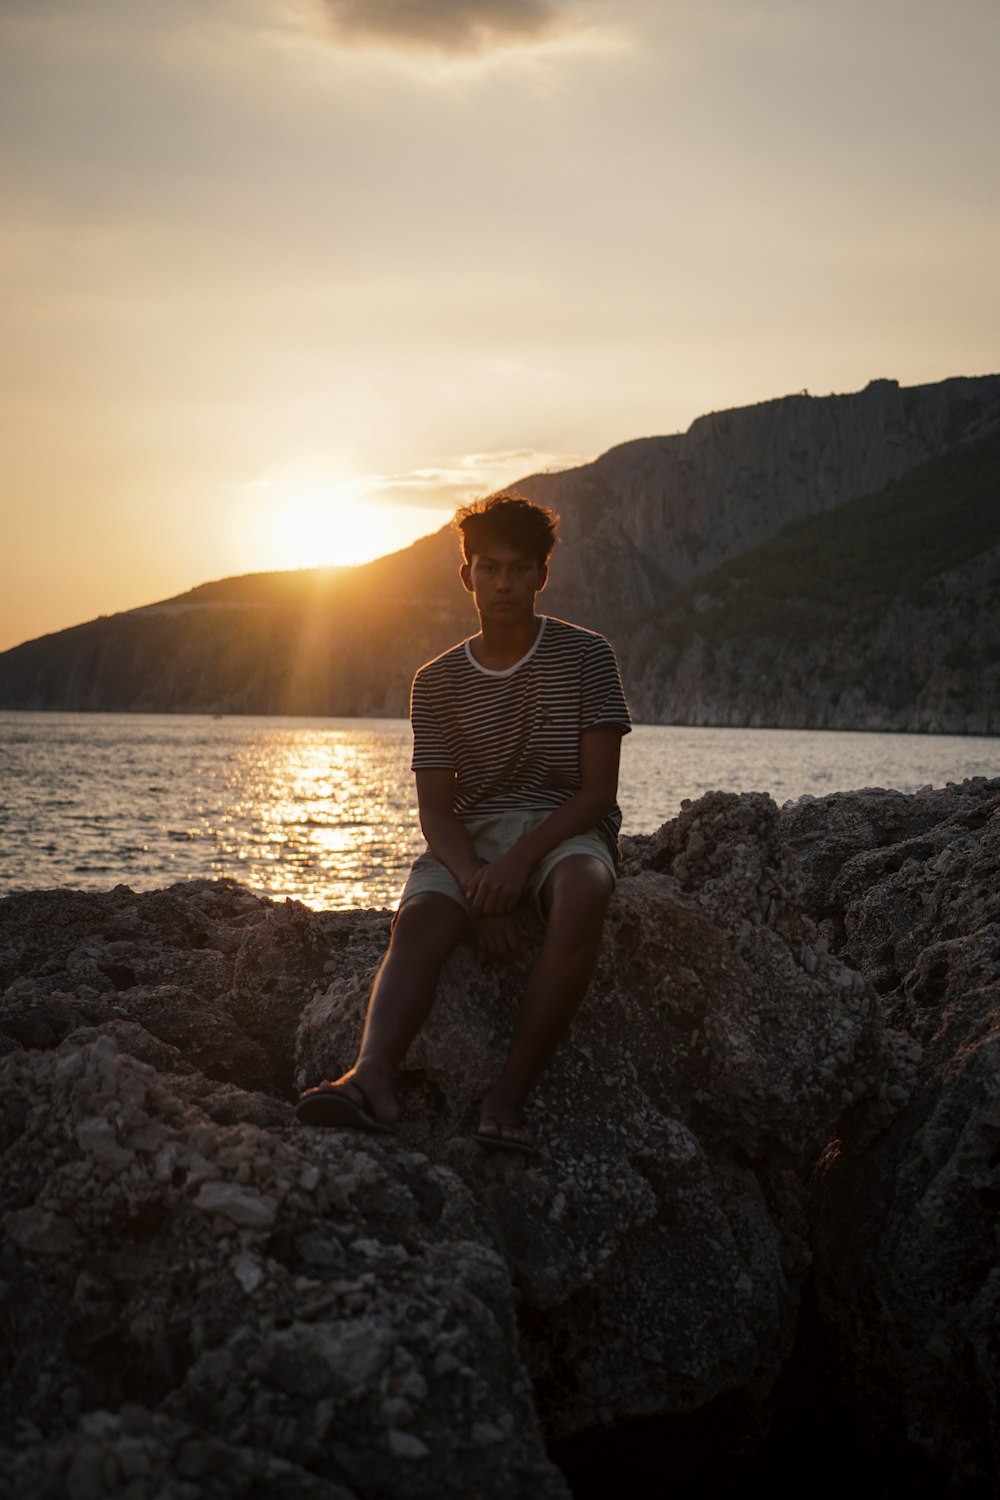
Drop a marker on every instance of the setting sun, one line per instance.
(338, 525)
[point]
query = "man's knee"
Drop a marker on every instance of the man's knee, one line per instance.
(578, 889)
(428, 925)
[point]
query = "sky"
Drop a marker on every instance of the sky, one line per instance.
(285, 281)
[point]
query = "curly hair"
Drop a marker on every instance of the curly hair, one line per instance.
(510, 519)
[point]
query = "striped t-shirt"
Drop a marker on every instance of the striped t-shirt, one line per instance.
(513, 737)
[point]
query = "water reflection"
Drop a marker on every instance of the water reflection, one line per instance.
(319, 810)
(323, 810)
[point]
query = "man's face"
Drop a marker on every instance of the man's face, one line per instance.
(504, 581)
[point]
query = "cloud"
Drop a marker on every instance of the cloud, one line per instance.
(463, 28)
(439, 488)
(470, 476)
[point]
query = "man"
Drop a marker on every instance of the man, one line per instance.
(516, 739)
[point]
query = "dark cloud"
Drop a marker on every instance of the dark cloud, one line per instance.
(460, 27)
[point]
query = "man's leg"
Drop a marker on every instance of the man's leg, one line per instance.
(575, 898)
(427, 927)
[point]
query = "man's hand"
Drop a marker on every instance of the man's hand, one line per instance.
(496, 888)
(498, 935)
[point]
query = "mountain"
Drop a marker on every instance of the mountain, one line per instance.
(640, 526)
(328, 641)
(651, 515)
(882, 614)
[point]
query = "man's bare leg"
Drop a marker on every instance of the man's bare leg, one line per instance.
(426, 929)
(576, 896)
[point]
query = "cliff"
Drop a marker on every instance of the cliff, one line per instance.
(787, 1062)
(652, 515)
(884, 614)
(639, 524)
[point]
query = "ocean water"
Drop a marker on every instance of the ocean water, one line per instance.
(323, 810)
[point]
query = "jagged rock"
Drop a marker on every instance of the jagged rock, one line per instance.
(905, 1237)
(411, 1317)
(161, 960)
(886, 873)
(137, 1453)
(112, 940)
(283, 962)
(659, 1238)
(293, 1296)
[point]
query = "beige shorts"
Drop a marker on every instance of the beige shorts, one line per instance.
(493, 837)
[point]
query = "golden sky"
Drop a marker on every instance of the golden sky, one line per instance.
(286, 280)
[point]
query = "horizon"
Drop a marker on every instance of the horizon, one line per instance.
(289, 283)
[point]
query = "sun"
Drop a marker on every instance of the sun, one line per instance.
(330, 525)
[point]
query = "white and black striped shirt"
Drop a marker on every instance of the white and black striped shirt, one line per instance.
(513, 737)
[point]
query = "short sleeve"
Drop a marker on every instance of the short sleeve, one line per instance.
(603, 697)
(430, 752)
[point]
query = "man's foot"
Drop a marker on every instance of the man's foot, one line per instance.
(345, 1105)
(501, 1135)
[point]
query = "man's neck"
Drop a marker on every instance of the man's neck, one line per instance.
(498, 646)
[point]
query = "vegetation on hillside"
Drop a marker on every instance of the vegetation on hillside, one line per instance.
(851, 561)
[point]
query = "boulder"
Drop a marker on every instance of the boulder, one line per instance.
(192, 1281)
(905, 1226)
(323, 1310)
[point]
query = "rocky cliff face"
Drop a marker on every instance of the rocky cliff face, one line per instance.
(654, 514)
(881, 615)
(201, 1296)
(928, 663)
(905, 1228)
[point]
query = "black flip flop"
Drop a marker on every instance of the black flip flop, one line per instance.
(329, 1105)
(494, 1141)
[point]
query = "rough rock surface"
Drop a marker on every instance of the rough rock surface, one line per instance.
(201, 1297)
(923, 662)
(908, 1275)
(660, 511)
(658, 1242)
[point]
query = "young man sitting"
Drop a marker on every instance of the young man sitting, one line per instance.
(516, 739)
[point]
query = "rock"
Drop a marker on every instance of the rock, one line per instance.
(97, 959)
(194, 1284)
(283, 961)
(239, 1205)
(706, 1069)
(106, 1455)
(905, 1237)
(181, 1334)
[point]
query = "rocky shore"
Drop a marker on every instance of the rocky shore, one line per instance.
(758, 1239)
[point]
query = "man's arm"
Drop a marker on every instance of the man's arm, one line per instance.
(497, 887)
(447, 836)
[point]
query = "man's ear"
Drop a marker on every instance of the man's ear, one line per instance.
(466, 577)
(543, 577)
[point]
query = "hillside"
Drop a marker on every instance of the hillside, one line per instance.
(640, 525)
(335, 642)
(882, 614)
(652, 515)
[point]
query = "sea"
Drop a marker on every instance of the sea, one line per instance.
(323, 811)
